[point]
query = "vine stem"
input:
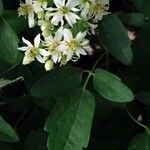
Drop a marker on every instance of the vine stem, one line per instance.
(92, 70)
(137, 122)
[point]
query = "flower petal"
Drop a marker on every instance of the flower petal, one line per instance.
(80, 36)
(43, 52)
(81, 51)
(31, 20)
(67, 35)
(37, 40)
(58, 3)
(56, 19)
(51, 9)
(58, 34)
(55, 57)
(27, 42)
(72, 3)
(40, 59)
(28, 2)
(23, 48)
(36, 7)
(69, 20)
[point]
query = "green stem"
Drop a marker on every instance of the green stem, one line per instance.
(92, 70)
(137, 122)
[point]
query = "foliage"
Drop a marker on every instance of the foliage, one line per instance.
(75, 102)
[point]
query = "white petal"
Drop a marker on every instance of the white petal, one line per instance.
(67, 35)
(80, 36)
(28, 2)
(59, 58)
(81, 51)
(61, 48)
(58, 34)
(75, 9)
(45, 5)
(27, 42)
(40, 59)
(56, 19)
(27, 60)
(69, 55)
(64, 2)
(23, 48)
(69, 20)
(31, 20)
(73, 15)
(37, 40)
(36, 7)
(43, 52)
(58, 3)
(55, 57)
(72, 3)
(51, 9)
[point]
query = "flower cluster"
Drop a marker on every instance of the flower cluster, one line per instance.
(58, 43)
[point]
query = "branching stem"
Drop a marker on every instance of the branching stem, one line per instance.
(92, 70)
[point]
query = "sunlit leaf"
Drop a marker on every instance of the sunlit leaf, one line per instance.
(110, 87)
(8, 44)
(70, 122)
(113, 37)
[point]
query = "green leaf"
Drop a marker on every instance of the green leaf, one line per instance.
(8, 44)
(36, 140)
(7, 133)
(57, 82)
(140, 142)
(5, 82)
(110, 87)
(16, 23)
(114, 38)
(143, 6)
(1, 7)
(133, 19)
(70, 122)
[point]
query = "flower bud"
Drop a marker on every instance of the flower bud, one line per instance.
(49, 65)
(40, 15)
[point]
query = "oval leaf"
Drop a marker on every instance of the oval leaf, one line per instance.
(143, 6)
(70, 122)
(133, 19)
(114, 38)
(7, 133)
(8, 44)
(140, 142)
(110, 87)
(17, 23)
(57, 82)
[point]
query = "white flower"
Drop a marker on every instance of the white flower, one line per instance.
(64, 10)
(85, 9)
(99, 8)
(42, 3)
(75, 46)
(33, 51)
(54, 45)
(28, 9)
